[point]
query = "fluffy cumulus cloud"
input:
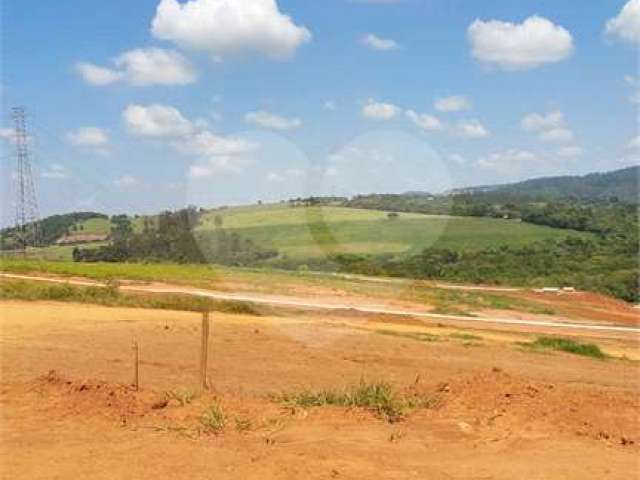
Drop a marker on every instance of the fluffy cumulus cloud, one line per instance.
(88, 137)
(379, 111)
(214, 153)
(265, 119)
(536, 122)
(156, 120)
(229, 27)
(98, 76)
(454, 103)
(519, 46)
(550, 127)
(142, 67)
(507, 159)
(426, 122)
(472, 129)
(626, 25)
(374, 42)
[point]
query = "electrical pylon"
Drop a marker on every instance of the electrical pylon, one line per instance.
(27, 216)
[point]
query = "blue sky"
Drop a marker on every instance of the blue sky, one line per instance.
(145, 105)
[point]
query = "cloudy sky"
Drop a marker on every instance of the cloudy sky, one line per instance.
(145, 105)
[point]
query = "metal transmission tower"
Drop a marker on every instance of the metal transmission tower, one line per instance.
(27, 217)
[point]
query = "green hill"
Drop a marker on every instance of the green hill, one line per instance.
(312, 232)
(622, 184)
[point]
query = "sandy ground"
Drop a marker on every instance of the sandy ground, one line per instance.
(498, 411)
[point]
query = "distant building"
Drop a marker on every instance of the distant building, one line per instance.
(81, 238)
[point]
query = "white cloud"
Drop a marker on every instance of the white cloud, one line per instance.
(426, 122)
(126, 181)
(98, 76)
(211, 166)
(472, 129)
(8, 134)
(142, 67)
(550, 127)
(208, 144)
(374, 42)
(626, 25)
(379, 111)
(536, 122)
(457, 158)
(454, 103)
(633, 82)
(274, 177)
(214, 153)
(156, 66)
(330, 105)
(513, 46)
(55, 171)
(156, 120)
(270, 120)
(560, 135)
(227, 27)
(88, 137)
(570, 152)
(634, 142)
(508, 158)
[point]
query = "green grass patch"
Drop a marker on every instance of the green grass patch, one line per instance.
(112, 297)
(312, 232)
(565, 345)
(378, 397)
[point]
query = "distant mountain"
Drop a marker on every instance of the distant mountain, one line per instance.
(622, 184)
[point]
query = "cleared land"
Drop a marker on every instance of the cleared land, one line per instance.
(309, 232)
(480, 403)
(355, 290)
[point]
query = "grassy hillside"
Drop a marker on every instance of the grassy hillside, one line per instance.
(315, 231)
(93, 226)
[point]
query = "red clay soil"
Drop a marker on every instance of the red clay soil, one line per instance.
(491, 411)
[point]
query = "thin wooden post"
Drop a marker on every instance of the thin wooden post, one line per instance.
(204, 350)
(136, 366)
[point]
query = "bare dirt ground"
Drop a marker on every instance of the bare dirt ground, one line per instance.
(499, 411)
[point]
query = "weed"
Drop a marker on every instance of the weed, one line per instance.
(566, 345)
(377, 397)
(421, 336)
(213, 420)
(242, 424)
(183, 396)
(112, 297)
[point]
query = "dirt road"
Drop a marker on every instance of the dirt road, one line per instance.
(357, 307)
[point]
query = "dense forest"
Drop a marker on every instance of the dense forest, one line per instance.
(621, 184)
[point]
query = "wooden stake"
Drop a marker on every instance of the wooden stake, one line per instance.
(136, 366)
(204, 350)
